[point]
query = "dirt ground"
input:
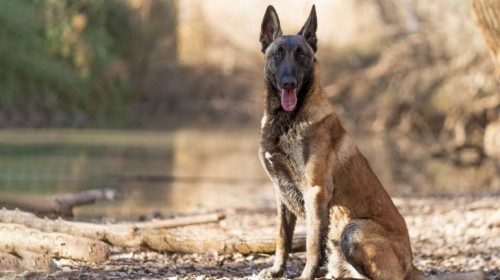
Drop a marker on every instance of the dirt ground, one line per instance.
(449, 234)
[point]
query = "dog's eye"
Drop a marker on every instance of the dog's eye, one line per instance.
(301, 55)
(277, 55)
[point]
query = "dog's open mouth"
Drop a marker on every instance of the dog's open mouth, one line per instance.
(288, 99)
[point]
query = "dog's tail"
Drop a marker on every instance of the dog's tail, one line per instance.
(416, 274)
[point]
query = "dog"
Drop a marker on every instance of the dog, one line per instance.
(320, 175)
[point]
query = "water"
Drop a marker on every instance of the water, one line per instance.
(192, 170)
(181, 171)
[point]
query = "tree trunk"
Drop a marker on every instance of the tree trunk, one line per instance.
(25, 260)
(122, 235)
(15, 238)
(196, 239)
(229, 238)
(488, 18)
(8, 263)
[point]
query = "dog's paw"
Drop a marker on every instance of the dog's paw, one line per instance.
(303, 277)
(307, 275)
(271, 272)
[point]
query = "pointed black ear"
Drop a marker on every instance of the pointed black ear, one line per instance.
(270, 28)
(309, 30)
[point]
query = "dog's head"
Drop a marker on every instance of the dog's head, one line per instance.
(289, 58)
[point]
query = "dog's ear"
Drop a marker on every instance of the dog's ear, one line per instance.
(309, 30)
(270, 28)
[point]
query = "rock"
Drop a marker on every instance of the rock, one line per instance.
(492, 140)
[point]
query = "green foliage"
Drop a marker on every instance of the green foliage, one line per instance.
(65, 58)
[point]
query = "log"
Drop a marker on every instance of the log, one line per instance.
(123, 235)
(197, 239)
(15, 238)
(166, 235)
(26, 261)
(70, 200)
(59, 204)
(35, 262)
(9, 263)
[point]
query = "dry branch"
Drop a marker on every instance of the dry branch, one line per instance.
(59, 204)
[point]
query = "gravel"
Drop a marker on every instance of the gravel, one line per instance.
(448, 234)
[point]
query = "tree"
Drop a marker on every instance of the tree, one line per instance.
(488, 19)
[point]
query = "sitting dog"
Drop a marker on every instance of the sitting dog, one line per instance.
(320, 175)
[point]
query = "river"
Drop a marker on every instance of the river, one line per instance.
(186, 171)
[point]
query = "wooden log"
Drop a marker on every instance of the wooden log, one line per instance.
(123, 235)
(66, 202)
(60, 204)
(25, 261)
(9, 263)
(159, 235)
(35, 262)
(15, 238)
(197, 239)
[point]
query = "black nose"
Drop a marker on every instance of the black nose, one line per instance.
(289, 83)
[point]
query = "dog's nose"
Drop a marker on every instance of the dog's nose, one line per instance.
(289, 83)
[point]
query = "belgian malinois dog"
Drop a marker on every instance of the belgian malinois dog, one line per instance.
(320, 175)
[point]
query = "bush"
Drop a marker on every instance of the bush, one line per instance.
(64, 61)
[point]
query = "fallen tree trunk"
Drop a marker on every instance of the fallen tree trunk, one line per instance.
(161, 236)
(200, 240)
(60, 204)
(123, 235)
(18, 239)
(34, 261)
(9, 263)
(25, 260)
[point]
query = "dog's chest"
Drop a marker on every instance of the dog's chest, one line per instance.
(283, 157)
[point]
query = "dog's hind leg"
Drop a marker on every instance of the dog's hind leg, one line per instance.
(374, 252)
(338, 267)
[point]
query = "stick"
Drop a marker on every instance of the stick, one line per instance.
(59, 204)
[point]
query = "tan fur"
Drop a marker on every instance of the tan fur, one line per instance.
(316, 162)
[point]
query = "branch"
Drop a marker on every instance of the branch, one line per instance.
(60, 204)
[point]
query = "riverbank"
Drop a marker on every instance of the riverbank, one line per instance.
(448, 234)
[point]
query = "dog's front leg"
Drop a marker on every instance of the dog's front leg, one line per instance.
(316, 201)
(285, 227)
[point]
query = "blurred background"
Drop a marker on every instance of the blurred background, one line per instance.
(162, 99)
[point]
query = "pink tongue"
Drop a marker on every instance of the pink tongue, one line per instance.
(288, 99)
